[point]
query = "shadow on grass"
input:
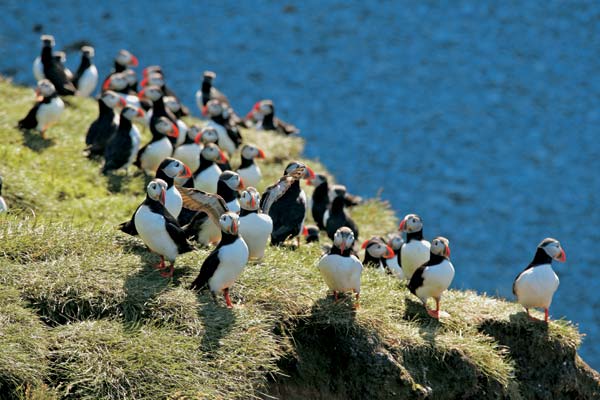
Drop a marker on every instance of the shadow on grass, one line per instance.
(115, 182)
(35, 141)
(217, 320)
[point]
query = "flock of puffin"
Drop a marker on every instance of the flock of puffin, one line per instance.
(196, 196)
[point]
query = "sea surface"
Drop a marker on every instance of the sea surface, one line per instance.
(481, 116)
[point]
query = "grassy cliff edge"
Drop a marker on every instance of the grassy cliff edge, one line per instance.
(84, 315)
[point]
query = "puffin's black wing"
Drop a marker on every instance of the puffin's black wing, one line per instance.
(416, 281)
(177, 234)
(129, 226)
(209, 266)
(55, 73)
(235, 135)
(285, 127)
(30, 120)
(351, 200)
(116, 152)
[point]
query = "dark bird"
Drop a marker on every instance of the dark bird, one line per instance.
(105, 125)
(336, 216)
(54, 70)
(122, 147)
(86, 76)
(46, 111)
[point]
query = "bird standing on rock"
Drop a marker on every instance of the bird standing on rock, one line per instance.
(248, 169)
(123, 146)
(434, 277)
(86, 76)
(535, 286)
(415, 252)
(255, 227)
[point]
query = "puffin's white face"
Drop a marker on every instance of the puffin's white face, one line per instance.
(60, 56)
(250, 152)
(229, 223)
(440, 246)
(411, 223)
(299, 170)
(156, 79)
(553, 248)
(112, 99)
(166, 127)
(48, 40)
(130, 112)
(118, 81)
(212, 152)
(193, 133)
(177, 169)
(152, 92)
(126, 58)
(157, 190)
(209, 75)
(45, 88)
(265, 107)
(88, 51)
(209, 135)
(171, 103)
(396, 242)
(377, 249)
(250, 199)
(214, 108)
(232, 179)
(343, 238)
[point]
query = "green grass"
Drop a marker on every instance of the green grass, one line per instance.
(83, 315)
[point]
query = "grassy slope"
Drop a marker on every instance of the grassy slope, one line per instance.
(84, 315)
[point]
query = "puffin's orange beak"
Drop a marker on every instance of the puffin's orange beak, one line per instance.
(186, 173)
(222, 157)
(402, 225)
(447, 251)
(144, 81)
(241, 185)
(122, 102)
(175, 132)
(253, 203)
(134, 61)
(106, 84)
(343, 246)
(389, 253)
(163, 197)
(364, 245)
(198, 138)
(204, 110)
(304, 231)
(311, 173)
(142, 94)
(140, 113)
(234, 228)
(562, 257)
(261, 154)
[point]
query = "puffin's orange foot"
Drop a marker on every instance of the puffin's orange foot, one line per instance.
(434, 314)
(169, 273)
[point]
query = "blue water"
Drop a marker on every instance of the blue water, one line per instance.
(482, 117)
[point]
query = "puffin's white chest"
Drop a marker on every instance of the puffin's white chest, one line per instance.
(3, 206)
(225, 142)
(152, 229)
(251, 175)
(38, 69)
(536, 286)
(209, 233)
(154, 154)
(136, 138)
(131, 100)
(173, 201)
(189, 154)
(207, 180)
(255, 229)
(183, 129)
(436, 279)
(232, 260)
(87, 81)
(414, 254)
(234, 205)
(341, 273)
(49, 113)
(394, 267)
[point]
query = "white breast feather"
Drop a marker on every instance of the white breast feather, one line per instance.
(255, 229)
(395, 268)
(151, 228)
(87, 82)
(414, 254)
(189, 154)
(136, 138)
(436, 279)
(341, 273)
(225, 142)
(232, 260)
(208, 179)
(173, 201)
(49, 113)
(536, 286)
(154, 154)
(251, 175)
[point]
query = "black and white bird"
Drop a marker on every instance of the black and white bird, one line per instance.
(169, 170)
(535, 286)
(122, 148)
(207, 175)
(189, 151)
(255, 227)
(85, 78)
(377, 253)
(321, 199)
(393, 264)
(208, 92)
(46, 111)
(3, 206)
(270, 122)
(38, 67)
(285, 202)
(311, 233)
(228, 187)
(155, 77)
(105, 125)
(174, 106)
(226, 262)
(415, 251)
(340, 269)
(123, 61)
(159, 148)
(119, 83)
(336, 216)
(229, 137)
(248, 169)
(210, 135)
(434, 277)
(159, 229)
(53, 68)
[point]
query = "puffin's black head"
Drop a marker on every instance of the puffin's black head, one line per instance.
(299, 170)
(131, 112)
(318, 180)
(553, 248)
(174, 168)
(232, 179)
(151, 69)
(117, 81)
(166, 127)
(250, 152)
(250, 199)
(88, 52)
(440, 246)
(126, 59)
(411, 223)
(395, 242)
(153, 79)
(47, 40)
(343, 238)
(157, 190)
(377, 248)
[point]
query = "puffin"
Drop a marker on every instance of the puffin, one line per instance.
(159, 109)
(159, 229)
(38, 67)
(210, 135)
(3, 206)
(207, 175)
(340, 269)
(229, 137)
(174, 106)
(189, 151)
(123, 61)
(248, 169)
(434, 277)
(122, 147)
(228, 188)
(208, 92)
(336, 217)
(105, 125)
(226, 262)
(54, 70)
(86, 76)
(321, 199)
(285, 202)
(255, 227)
(132, 81)
(118, 82)
(377, 253)
(311, 233)
(157, 78)
(415, 251)
(169, 170)
(46, 111)
(536, 284)
(393, 264)
(160, 147)
(270, 122)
